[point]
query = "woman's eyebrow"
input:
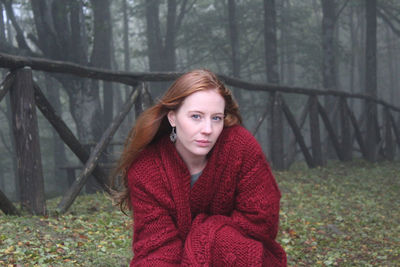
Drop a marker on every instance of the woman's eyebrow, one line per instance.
(201, 112)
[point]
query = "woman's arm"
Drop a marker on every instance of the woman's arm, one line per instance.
(248, 234)
(156, 240)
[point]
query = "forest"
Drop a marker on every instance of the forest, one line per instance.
(316, 81)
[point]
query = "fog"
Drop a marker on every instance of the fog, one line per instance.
(323, 45)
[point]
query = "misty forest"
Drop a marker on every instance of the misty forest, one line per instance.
(317, 82)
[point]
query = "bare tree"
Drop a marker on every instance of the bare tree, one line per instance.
(329, 73)
(161, 45)
(102, 52)
(371, 79)
(234, 38)
(271, 61)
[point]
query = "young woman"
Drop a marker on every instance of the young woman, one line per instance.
(198, 183)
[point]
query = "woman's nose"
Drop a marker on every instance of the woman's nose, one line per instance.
(207, 127)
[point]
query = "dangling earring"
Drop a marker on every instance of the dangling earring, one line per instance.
(172, 136)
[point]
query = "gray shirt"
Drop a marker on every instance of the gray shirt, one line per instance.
(194, 178)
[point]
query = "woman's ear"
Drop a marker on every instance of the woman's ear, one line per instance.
(171, 118)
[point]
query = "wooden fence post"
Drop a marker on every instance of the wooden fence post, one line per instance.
(389, 145)
(330, 130)
(67, 136)
(26, 134)
(357, 131)
(5, 85)
(347, 143)
(7, 206)
(276, 137)
(371, 139)
(395, 129)
(143, 101)
(291, 147)
(297, 132)
(315, 131)
(80, 181)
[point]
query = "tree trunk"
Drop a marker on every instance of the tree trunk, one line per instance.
(127, 63)
(61, 35)
(2, 178)
(2, 26)
(26, 136)
(154, 41)
(287, 74)
(329, 74)
(153, 33)
(13, 146)
(371, 79)
(59, 155)
(234, 38)
(271, 61)
(232, 32)
(101, 55)
(315, 131)
(161, 47)
(353, 39)
(361, 53)
(328, 46)
(169, 62)
(9, 116)
(391, 59)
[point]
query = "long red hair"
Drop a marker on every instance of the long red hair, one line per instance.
(153, 123)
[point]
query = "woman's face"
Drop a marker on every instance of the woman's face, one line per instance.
(199, 122)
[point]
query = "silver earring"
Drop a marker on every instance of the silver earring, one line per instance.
(172, 135)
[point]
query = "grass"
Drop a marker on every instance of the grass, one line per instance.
(344, 214)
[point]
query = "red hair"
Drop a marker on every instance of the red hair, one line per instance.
(153, 122)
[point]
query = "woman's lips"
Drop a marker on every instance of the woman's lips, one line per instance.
(203, 143)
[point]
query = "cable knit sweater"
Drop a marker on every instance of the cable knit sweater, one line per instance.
(228, 218)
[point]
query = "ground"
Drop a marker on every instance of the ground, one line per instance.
(345, 214)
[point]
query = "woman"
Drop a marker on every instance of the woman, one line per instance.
(198, 183)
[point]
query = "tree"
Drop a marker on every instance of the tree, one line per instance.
(234, 38)
(371, 79)
(329, 74)
(102, 52)
(62, 35)
(161, 47)
(271, 61)
(328, 45)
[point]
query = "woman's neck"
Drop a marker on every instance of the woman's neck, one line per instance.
(195, 164)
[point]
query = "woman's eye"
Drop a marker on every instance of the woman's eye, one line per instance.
(196, 116)
(217, 118)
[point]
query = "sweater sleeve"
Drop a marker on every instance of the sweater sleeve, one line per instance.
(248, 234)
(156, 240)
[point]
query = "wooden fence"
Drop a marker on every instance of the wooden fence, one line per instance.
(25, 94)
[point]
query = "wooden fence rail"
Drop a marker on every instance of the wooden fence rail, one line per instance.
(310, 147)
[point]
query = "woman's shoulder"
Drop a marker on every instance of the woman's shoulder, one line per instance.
(238, 135)
(145, 163)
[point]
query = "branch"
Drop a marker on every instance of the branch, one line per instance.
(389, 12)
(132, 78)
(388, 22)
(5, 85)
(182, 13)
(20, 35)
(340, 11)
(8, 148)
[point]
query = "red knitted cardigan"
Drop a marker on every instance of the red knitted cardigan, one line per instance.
(228, 218)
